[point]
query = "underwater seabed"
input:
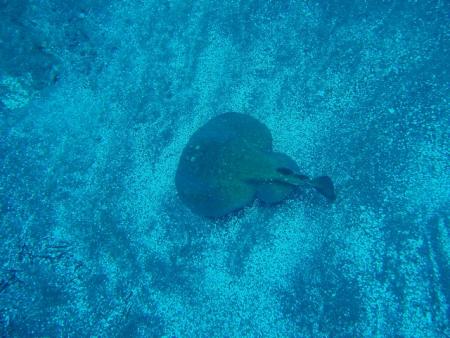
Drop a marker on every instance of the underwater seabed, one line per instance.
(97, 102)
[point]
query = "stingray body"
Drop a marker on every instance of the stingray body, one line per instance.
(230, 161)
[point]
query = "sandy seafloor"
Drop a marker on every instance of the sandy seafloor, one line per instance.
(98, 99)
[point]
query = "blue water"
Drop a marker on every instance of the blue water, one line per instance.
(98, 99)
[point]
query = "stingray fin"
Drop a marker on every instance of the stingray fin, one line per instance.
(289, 172)
(324, 185)
(273, 192)
(285, 171)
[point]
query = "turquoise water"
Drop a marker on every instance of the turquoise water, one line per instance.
(99, 98)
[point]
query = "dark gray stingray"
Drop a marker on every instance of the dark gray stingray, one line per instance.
(229, 162)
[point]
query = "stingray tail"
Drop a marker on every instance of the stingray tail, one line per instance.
(324, 185)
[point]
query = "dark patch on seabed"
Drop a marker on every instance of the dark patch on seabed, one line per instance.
(98, 100)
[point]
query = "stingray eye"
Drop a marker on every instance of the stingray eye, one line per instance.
(285, 171)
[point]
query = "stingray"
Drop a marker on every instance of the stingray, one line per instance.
(229, 162)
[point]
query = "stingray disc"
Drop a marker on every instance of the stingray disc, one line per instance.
(221, 160)
(212, 165)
